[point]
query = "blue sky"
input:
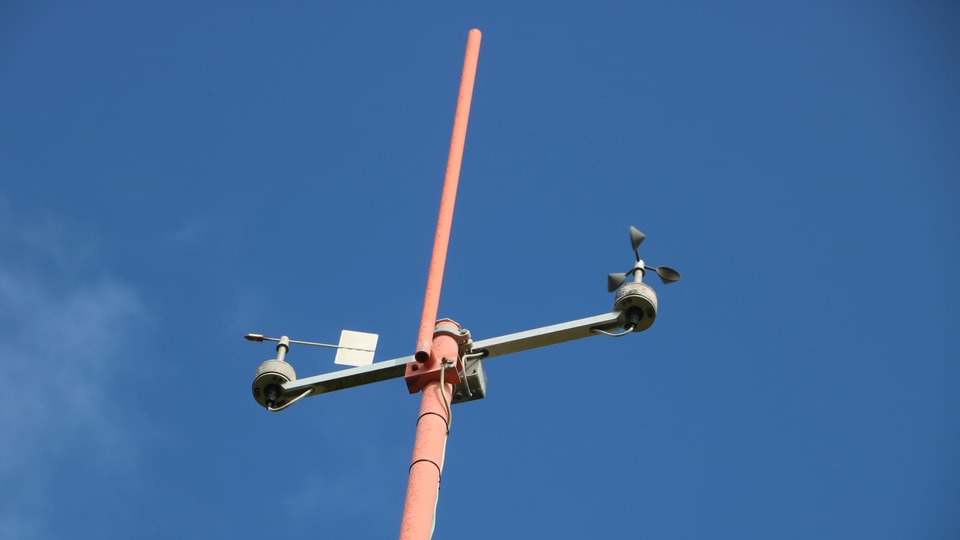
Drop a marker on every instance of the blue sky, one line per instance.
(176, 175)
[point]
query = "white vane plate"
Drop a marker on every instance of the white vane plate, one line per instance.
(356, 348)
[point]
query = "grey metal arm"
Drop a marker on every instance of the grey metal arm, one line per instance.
(488, 348)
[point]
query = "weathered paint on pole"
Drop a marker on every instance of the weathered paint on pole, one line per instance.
(441, 240)
(429, 446)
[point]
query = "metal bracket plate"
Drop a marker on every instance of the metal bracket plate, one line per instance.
(474, 385)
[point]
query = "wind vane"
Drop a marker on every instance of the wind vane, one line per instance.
(447, 365)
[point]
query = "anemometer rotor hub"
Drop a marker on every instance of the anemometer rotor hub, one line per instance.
(639, 302)
(269, 380)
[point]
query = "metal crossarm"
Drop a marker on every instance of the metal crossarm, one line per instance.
(547, 335)
(488, 348)
(348, 378)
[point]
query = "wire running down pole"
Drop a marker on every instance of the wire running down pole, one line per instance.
(431, 299)
(430, 443)
(426, 467)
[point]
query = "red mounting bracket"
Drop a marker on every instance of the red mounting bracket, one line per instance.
(448, 341)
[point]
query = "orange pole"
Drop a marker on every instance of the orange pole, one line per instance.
(429, 448)
(431, 300)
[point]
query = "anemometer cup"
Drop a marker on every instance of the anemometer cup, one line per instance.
(269, 380)
(639, 303)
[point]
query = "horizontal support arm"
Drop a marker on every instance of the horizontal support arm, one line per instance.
(546, 335)
(498, 346)
(348, 378)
